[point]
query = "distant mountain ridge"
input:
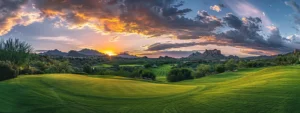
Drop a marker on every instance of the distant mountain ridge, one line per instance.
(210, 55)
(54, 52)
(73, 53)
(126, 55)
(90, 52)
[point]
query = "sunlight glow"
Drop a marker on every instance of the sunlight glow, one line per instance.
(110, 53)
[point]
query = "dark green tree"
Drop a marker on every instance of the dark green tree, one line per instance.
(230, 65)
(15, 51)
(7, 70)
(179, 74)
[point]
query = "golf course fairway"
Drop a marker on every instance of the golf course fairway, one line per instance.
(271, 89)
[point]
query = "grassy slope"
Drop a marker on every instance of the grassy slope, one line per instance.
(161, 72)
(274, 89)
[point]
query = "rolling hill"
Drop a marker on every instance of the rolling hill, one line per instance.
(273, 89)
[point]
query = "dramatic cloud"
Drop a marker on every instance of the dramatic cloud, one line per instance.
(258, 52)
(163, 46)
(234, 21)
(153, 18)
(246, 33)
(245, 9)
(204, 41)
(147, 17)
(294, 38)
(12, 13)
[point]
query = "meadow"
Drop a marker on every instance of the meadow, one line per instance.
(271, 89)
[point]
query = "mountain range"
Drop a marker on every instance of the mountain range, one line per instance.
(211, 55)
(73, 53)
(83, 53)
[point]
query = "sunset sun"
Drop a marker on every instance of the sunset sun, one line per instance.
(110, 53)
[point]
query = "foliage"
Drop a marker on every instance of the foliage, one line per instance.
(179, 74)
(143, 74)
(87, 69)
(15, 51)
(202, 70)
(28, 70)
(231, 65)
(59, 67)
(8, 70)
(220, 68)
(148, 65)
(287, 59)
(242, 64)
(146, 74)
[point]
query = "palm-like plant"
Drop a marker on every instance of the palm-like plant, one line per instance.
(15, 51)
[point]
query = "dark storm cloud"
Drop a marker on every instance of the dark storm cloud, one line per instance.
(233, 21)
(148, 17)
(163, 46)
(246, 33)
(151, 18)
(9, 12)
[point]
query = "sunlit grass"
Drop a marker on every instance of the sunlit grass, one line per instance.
(273, 89)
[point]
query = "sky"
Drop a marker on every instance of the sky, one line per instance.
(155, 28)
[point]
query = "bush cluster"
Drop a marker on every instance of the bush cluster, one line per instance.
(179, 74)
(144, 74)
(8, 70)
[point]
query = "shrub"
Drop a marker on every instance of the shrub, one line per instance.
(230, 65)
(148, 65)
(7, 70)
(59, 67)
(143, 74)
(30, 70)
(116, 66)
(220, 68)
(41, 66)
(87, 69)
(179, 74)
(202, 70)
(242, 64)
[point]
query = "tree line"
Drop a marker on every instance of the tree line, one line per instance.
(17, 58)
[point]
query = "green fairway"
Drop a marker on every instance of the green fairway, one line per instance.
(273, 89)
(161, 72)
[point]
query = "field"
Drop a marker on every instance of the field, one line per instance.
(273, 89)
(161, 72)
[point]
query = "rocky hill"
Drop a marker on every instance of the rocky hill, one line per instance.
(126, 55)
(210, 55)
(54, 53)
(73, 53)
(90, 52)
